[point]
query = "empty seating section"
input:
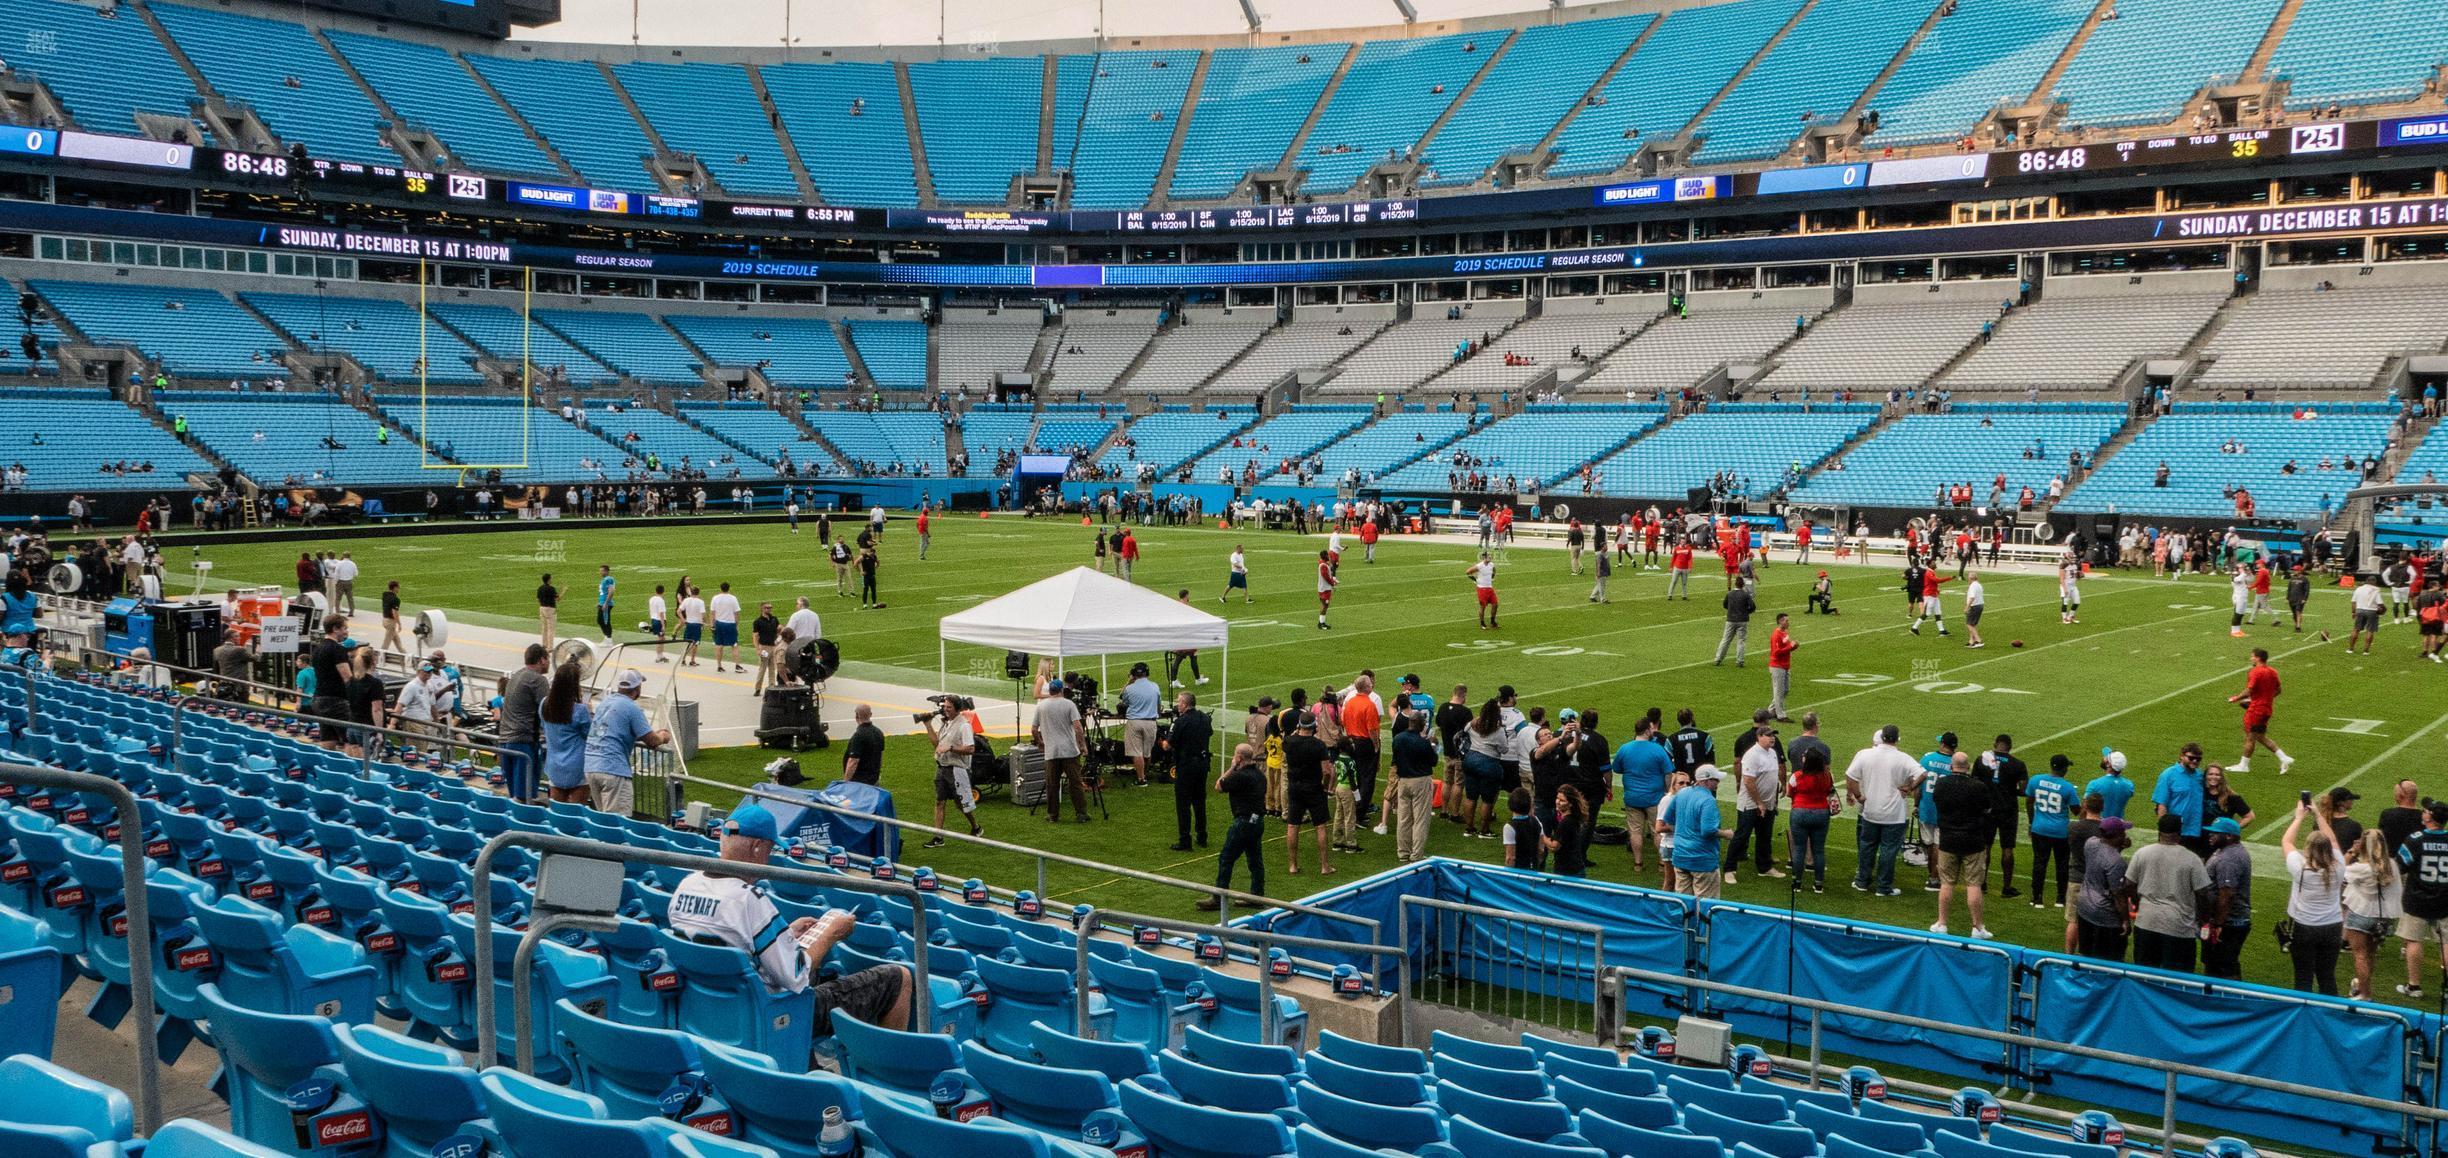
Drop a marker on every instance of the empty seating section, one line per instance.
(1398, 358)
(2429, 457)
(1252, 103)
(673, 441)
(1758, 441)
(105, 66)
(1187, 354)
(1817, 71)
(634, 344)
(281, 70)
(500, 432)
(1548, 341)
(990, 429)
(386, 337)
(1394, 91)
(756, 429)
(1686, 61)
(795, 353)
(192, 333)
(2323, 340)
(500, 332)
(2188, 440)
(82, 430)
(1879, 346)
(910, 439)
(1134, 104)
(710, 111)
(979, 120)
(1391, 441)
(846, 121)
(431, 90)
(1542, 443)
(974, 347)
(2082, 343)
(1168, 438)
(894, 350)
(272, 437)
(1905, 464)
(1983, 55)
(1306, 344)
(1073, 76)
(2142, 67)
(2356, 52)
(1092, 352)
(1289, 436)
(1073, 430)
(1546, 72)
(571, 104)
(1677, 352)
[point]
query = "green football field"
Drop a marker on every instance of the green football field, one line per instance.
(2148, 668)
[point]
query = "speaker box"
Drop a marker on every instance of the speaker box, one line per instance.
(789, 719)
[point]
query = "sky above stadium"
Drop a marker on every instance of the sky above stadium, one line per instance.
(964, 22)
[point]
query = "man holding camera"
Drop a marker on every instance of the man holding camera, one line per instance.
(1187, 746)
(1063, 738)
(954, 744)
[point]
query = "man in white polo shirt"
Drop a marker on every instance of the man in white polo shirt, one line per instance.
(725, 608)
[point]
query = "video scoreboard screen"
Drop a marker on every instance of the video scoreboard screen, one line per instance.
(477, 17)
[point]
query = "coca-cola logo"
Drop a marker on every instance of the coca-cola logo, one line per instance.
(973, 1111)
(17, 871)
(190, 960)
(1875, 1091)
(76, 816)
(340, 1129)
(157, 848)
(712, 1124)
(68, 897)
(262, 891)
(116, 926)
(1666, 1049)
(215, 867)
(1760, 1067)
(982, 998)
(2113, 1136)
(450, 973)
(662, 982)
(318, 915)
(381, 942)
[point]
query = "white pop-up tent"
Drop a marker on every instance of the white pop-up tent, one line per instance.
(1083, 612)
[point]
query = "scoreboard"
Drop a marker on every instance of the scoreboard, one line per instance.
(2229, 147)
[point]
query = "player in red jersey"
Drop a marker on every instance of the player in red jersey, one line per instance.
(1649, 540)
(1802, 540)
(1326, 586)
(1931, 581)
(2260, 700)
(1483, 577)
(1678, 571)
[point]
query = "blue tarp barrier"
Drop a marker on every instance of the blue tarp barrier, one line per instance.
(2246, 1029)
(1644, 930)
(1915, 974)
(819, 828)
(1373, 897)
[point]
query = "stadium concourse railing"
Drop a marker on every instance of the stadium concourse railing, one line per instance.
(1616, 978)
(1263, 943)
(147, 1083)
(592, 909)
(1224, 897)
(1549, 948)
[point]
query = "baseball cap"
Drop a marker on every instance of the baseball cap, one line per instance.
(2226, 826)
(1568, 714)
(2059, 762)
(1708, 772)
(2343, 795)
(752, 821)
(1412, 679)
(2115, 825)
(1268, 702)
(1823, 574)
(631, 679)
(1056, 686)
(2114, 760)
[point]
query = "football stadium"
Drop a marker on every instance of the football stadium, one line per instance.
(1180, 582)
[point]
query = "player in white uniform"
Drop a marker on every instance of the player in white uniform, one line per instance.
(2069, 589)
(1238, 576)
(2239, 596)
(658, 609)
(719, 909)
(1483, 577)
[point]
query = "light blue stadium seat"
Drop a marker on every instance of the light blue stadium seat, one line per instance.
(30, 970)
(559, 973)
(1393, 1059)
(979, 119)
(1614, 1079)
(1543, 1048)
(421, 1093)
(431, 979)
(264, 1055)
(846, 119)
(1118, 1060)
(1503, 1083)
(54, 1112)
(911, 1129)
(1477, 1141)
(1535, 1119)
(1381, 1087)
(540, 1120)
(1224, 1089)
(1023, 994)
(57, 899)
(723, 999)
(2143, 66)
(1831, 54)
(1713, 1076)
(1176, 1127)
(2011, 1138)
(1372, 1124)
(1239, 1015)
(1731, 1103)
(782, 1111)
(1965, 1145)
(191, 1139)
(894, 1059)
(294, 969)
(571, 104)
(1648, 1111)
(1041, 1097)
(1783, 1141)
(646, 983)
(1892, 1137)
(1840, 1145)
(1207, 1048)
(1142, 1010)
(1622, 1141)
(630, 1068)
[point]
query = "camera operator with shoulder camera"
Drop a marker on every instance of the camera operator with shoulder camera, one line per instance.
(954, 744)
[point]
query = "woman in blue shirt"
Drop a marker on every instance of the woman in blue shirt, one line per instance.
(565, 721)
(18, 607)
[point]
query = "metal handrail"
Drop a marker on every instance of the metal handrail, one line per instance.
(1597, 934)
(1258, 939)
(178, 730)
(1224, 896)
(139, 920)
(481, 883)
(2172, 1069)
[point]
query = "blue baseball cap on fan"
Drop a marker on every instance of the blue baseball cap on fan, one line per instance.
(752, 821)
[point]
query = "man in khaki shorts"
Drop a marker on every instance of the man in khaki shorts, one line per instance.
(1643, 765)
(1965, 828)
(1141, 702)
